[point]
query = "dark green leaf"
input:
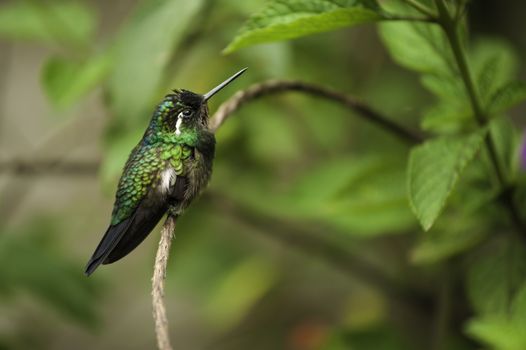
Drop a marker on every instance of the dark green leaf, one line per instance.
(495, 277)
(498, 289)
(433, 171)
(283, 20)
(507, 141)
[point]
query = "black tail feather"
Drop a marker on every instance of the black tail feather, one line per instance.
(143, 224)
(111, 238)
(121, 239)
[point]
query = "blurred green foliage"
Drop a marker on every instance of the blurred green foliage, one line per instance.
(305, 163)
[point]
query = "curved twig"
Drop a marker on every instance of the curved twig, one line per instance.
(276, 86)
(224, 111)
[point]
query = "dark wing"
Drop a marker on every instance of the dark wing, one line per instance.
(122, 238)
(136, 210)
(145, 218)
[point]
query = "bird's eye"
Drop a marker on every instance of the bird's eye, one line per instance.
(186, 113)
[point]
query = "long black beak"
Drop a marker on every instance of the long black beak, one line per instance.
(223, 84)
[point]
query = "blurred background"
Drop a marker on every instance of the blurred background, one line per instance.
(304, 239)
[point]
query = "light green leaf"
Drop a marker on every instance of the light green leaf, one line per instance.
(283, 20)
(448, 117)
(507, 96)
(499, 333)
(418, 46)
(65, 81)
(447, 88)
(143, 53)
(58, 22)
(452, 113)
(433, 171)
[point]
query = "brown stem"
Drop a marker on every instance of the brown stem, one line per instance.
(159, 275)
(277, 86)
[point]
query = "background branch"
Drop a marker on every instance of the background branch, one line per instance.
(56, 167)
(305, 237)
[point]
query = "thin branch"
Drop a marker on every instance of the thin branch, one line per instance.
(58, 167)
(278, 86)
(159, 275)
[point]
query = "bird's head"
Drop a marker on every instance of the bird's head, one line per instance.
(184, 111)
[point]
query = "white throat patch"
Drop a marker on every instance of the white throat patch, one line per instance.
(178, 124)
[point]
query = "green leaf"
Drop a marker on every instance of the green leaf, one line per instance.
(497, 290)
(433, 171)
(283, 20)
(452, 113)
(455, 236)
(495, 276)
(507, 142)
(448, 117)
(494, 63)
(65, 81)
(507, 96)
(58, 22)
(499, 333)
(142, 53)
(421, 47)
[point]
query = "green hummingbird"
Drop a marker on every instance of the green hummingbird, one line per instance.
(165, 171)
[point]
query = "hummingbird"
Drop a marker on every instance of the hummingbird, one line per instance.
(168, 168)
